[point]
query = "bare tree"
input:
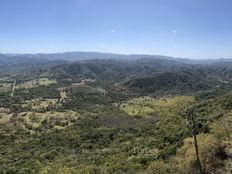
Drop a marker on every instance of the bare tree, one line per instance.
(190, 118)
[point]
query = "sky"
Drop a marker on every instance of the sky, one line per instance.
(178, 28)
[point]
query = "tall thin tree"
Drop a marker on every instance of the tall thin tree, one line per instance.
(190, 117)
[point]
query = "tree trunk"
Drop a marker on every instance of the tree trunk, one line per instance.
(196, 146)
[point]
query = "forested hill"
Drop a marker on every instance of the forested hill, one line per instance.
(148, 75)
(184, 80)
(114, 69)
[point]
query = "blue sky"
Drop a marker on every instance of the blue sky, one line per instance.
(180, 28)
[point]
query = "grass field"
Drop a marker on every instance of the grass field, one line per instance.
(5, 87)
(36, 83)
(5, 115)
(5, 118)
(40, 103)
(4, 78)
(147, 105)
(59, 120)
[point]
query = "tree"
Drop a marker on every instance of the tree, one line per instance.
(190, 118)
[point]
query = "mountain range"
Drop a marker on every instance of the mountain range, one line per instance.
(75, 56)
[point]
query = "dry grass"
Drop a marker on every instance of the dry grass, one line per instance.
(63, 93)
(5, 118)
(55, 119)
(5, 87)
(37, 104)
(36, 83)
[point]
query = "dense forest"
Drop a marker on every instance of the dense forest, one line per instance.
(115, 116)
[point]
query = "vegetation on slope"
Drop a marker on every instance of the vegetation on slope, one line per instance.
(116, 117)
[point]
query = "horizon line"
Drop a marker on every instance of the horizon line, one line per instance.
(114, 53)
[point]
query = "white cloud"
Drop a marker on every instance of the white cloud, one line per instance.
(112, 31)
(102, 45)
(174, 31)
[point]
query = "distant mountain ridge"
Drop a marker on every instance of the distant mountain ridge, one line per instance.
(9, 63)
(11, 60)
(74, 56)
(77, 56)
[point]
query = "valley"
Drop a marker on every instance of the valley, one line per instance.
(115, 116)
